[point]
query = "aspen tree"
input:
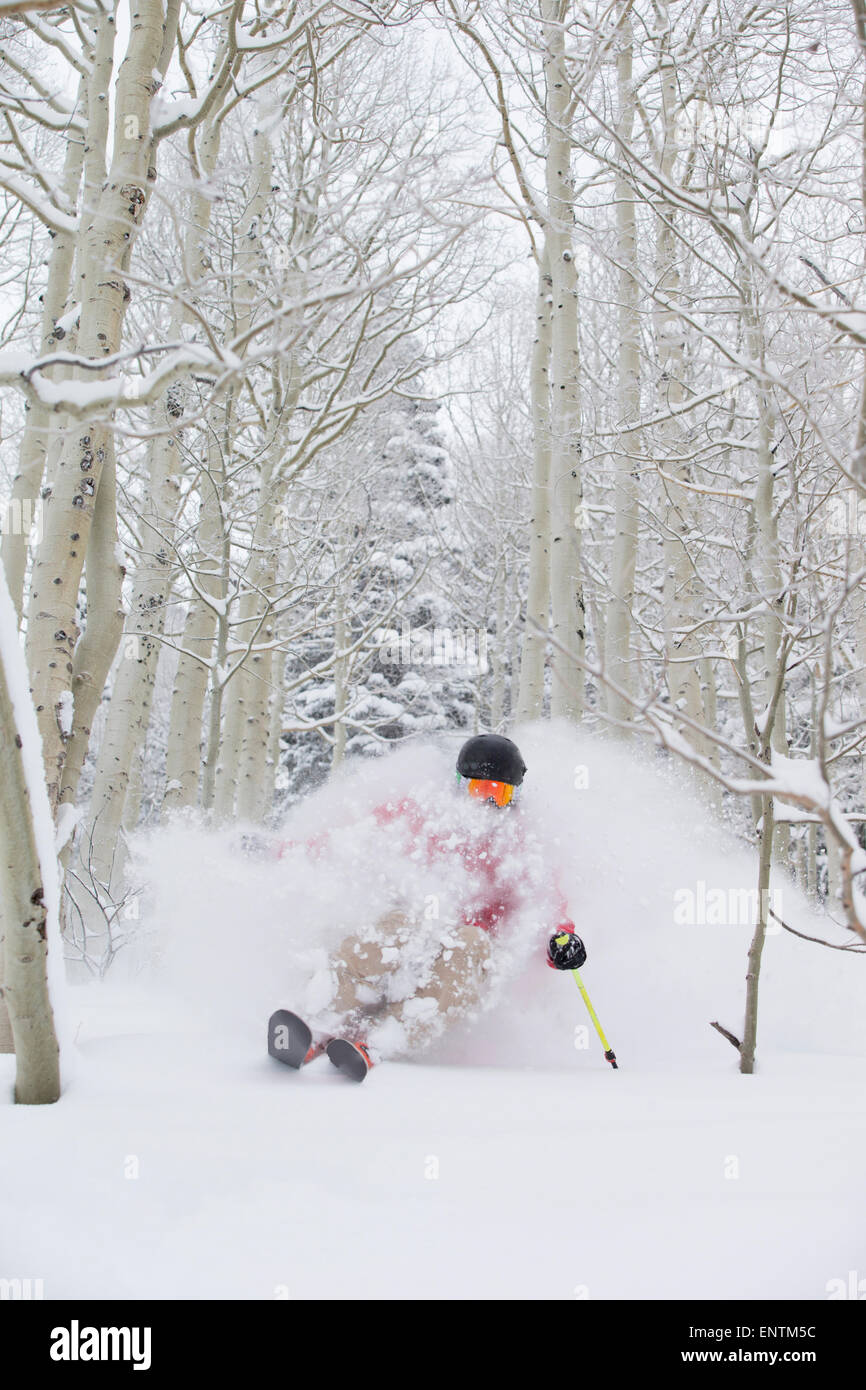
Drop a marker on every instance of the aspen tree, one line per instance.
(530, 698)
(26, 896)
(626, 457)
(109, 230)
(568, 617)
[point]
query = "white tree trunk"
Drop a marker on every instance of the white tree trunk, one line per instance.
(7, 1043)
(252, 802)
(568, 617)
(626, 458)
(108, 236)
(98, 643)
(132, 693)
(222, 744)
(183, 751)
(23, 906)
(530, 702)
(275, 738)
(681, 586)
(56, 302)
(753, 973)
(498, 656)
(242, 706)
(341, 678)
(184, 748)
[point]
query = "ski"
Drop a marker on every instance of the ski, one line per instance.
(290, 1041)
(352, 1060)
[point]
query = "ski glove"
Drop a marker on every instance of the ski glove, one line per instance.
(567, 955)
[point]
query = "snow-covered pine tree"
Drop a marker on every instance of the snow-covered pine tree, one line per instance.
(411, 665)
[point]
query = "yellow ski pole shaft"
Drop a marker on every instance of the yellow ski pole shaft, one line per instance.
(610, 1055)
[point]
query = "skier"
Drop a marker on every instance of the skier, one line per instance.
(397, 984)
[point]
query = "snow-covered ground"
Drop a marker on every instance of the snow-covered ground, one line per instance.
(510, 1161)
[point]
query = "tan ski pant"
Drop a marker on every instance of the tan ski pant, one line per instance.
(368, 968)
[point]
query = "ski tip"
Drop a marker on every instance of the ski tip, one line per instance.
(289, 1039)
(351, 1059)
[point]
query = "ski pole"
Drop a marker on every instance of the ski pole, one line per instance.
(609, 1054)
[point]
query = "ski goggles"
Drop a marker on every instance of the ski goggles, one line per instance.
(484, 790)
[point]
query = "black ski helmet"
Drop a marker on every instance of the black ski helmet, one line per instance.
(492, 758)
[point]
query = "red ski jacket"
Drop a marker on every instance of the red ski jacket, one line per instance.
(496, 899)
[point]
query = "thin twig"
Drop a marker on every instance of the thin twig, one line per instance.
(735, 1042)
(851, 947)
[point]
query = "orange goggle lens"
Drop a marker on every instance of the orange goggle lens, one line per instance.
(500, 792)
